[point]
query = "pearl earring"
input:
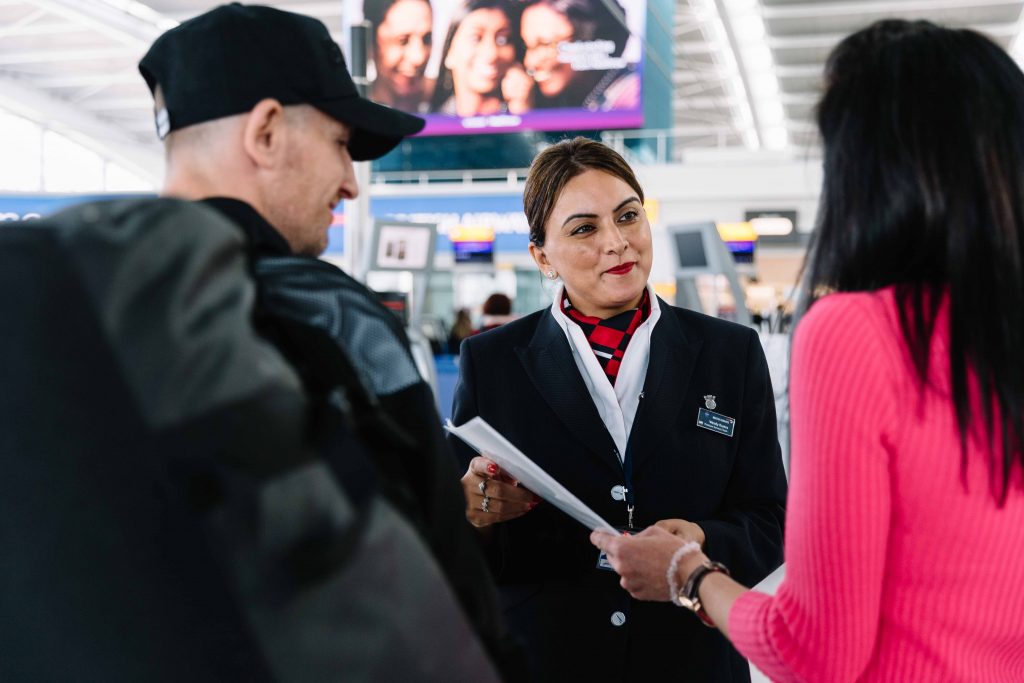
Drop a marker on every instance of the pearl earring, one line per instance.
(551, 275)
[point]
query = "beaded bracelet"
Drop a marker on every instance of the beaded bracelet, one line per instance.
(673, 567)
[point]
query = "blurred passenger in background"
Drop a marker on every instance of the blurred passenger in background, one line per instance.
(402, 31)
(480, 70)
(602, 390)
(568, 66)
(497, 310)
(906, 521)
(461, 328)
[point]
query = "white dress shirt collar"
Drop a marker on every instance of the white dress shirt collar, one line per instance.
(616, 405)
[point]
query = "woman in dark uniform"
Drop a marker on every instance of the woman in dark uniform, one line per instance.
(604, 390)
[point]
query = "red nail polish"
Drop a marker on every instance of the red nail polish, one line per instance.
(492, 468)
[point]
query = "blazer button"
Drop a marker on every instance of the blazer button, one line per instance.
(618, 618)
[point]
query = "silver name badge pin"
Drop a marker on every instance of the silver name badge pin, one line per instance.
(715, 422)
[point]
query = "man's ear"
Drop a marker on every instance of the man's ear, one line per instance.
(263, 136)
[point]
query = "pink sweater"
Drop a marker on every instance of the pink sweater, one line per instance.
(894, 572)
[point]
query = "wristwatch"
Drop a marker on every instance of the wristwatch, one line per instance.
(689, 597)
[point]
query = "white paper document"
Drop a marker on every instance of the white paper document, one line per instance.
(486, 441)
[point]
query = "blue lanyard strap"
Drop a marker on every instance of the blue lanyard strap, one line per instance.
(627, 474)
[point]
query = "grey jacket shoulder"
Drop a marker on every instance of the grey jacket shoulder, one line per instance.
(172, 293)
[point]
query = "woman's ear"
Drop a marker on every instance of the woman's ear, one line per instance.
(541, 259)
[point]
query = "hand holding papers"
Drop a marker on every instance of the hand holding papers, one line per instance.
(485, 440)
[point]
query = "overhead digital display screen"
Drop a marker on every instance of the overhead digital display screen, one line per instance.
(485, 66)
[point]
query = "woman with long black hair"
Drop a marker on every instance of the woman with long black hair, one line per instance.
(905, 524)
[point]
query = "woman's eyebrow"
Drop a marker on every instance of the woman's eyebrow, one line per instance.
(594, 215)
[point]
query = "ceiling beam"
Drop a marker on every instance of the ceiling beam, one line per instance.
(66, 55)
(128, 76)
(40, 28)
(109, 141)
(829, 40)
(117, 104)
(859, 8)
(329, 8)
(117, 24)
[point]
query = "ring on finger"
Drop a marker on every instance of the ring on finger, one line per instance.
(483, 487)
(485, 504)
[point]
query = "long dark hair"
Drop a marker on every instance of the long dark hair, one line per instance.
(924, 191)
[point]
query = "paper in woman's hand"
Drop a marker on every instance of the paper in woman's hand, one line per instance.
(492, 445)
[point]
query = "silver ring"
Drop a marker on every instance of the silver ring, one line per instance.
(485, 504)
(483, 487)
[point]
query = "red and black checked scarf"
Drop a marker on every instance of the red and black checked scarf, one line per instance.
(609, 338)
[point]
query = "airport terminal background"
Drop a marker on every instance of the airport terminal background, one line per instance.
(726, 153)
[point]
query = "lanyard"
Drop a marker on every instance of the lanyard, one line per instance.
(627, 474)
(627, 468)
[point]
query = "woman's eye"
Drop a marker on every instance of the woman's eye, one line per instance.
(629, 216)
(582, 229)
(501, 41)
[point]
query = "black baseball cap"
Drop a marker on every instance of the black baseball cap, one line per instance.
(223, 62)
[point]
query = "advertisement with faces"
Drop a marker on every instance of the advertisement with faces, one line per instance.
(490, 65)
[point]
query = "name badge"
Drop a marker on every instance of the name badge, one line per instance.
(715, 422)
(602, 557)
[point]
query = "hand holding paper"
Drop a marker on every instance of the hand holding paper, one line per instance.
(492, 495)
(488, 442)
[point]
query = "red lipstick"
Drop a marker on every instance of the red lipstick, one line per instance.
(622, 268)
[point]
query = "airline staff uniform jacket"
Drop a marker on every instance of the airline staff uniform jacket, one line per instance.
(577, 622)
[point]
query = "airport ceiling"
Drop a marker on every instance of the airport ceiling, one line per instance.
(746, 73)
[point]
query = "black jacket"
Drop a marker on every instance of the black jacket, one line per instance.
(164, 511)
(522, 379)
(335, 332)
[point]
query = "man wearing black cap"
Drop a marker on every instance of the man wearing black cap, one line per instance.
(256, 104)
(261, 121)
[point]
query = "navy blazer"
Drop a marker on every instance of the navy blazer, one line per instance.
(522, 379)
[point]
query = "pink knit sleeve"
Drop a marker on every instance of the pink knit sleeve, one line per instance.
(821, 625)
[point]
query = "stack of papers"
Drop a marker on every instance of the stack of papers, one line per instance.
(489, 443)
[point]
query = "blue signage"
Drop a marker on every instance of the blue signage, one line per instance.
(501, 212)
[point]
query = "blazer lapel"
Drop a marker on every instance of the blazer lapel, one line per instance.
(673, 359)
(549, 363)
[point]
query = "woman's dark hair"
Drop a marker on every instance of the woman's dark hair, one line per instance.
(592, 20)
(497, 304)
(923, 133)
(552, 170)
(445, 86)
(374, 11)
